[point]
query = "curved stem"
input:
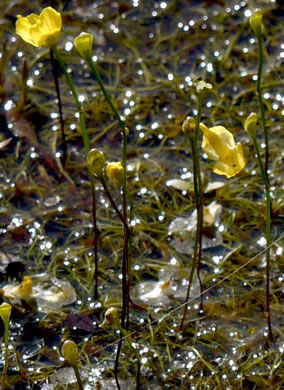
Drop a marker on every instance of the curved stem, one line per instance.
(110, 198)
(108, 98)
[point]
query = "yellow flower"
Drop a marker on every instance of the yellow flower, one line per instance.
(115, 173)
(40, 30)
(219, 145)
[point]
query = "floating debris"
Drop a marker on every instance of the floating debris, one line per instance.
(182, 229)
(47, 291)
(157, 292)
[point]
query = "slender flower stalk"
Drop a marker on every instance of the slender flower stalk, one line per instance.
(256, 24)
(125, 261)
(59, 103)
(87, 149)
(112, 317)
(83, 44)
(250, 127)
(191, 129)
(5, 312)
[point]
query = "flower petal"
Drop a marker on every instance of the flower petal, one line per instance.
(42, 30)
(219, 144)
(220, 138)
(23, 26)
(50, 20)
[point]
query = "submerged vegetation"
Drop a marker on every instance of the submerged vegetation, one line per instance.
(130, 257)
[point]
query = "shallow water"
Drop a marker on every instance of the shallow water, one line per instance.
(148, 55)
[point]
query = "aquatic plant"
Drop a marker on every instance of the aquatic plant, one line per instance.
(151, 83)
(45, 31)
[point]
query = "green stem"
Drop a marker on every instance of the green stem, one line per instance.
(5, 369)
(87, 149)
(59, 103)
(259, 96)
(107, 96)
(76, 99)
(78, 376)
(108, 194)
(198, 191)
(125, 260)
(125, 256)
(268, 233)
(199, 198)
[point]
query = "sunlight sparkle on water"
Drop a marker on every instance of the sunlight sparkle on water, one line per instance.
(262, 241)
(68, 46)
(9, 105)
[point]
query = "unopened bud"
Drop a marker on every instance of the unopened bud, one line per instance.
(250, 124)
(188, 126)
(70, 351)
(96, 162)
(84, 44)
(111, 317)
(256, 22)
(5, 312)
(200, 85)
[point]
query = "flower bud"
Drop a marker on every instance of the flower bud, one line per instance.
(115, 172)
(111, 317)
(250, 124)
(84, 44)
(70, 351)
(188, 126)
(5, 312)
(256, 21)
(200, 85)
(96, 162)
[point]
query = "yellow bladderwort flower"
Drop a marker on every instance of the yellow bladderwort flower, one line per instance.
(40, 30)
(115, 173)
(219, 144)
